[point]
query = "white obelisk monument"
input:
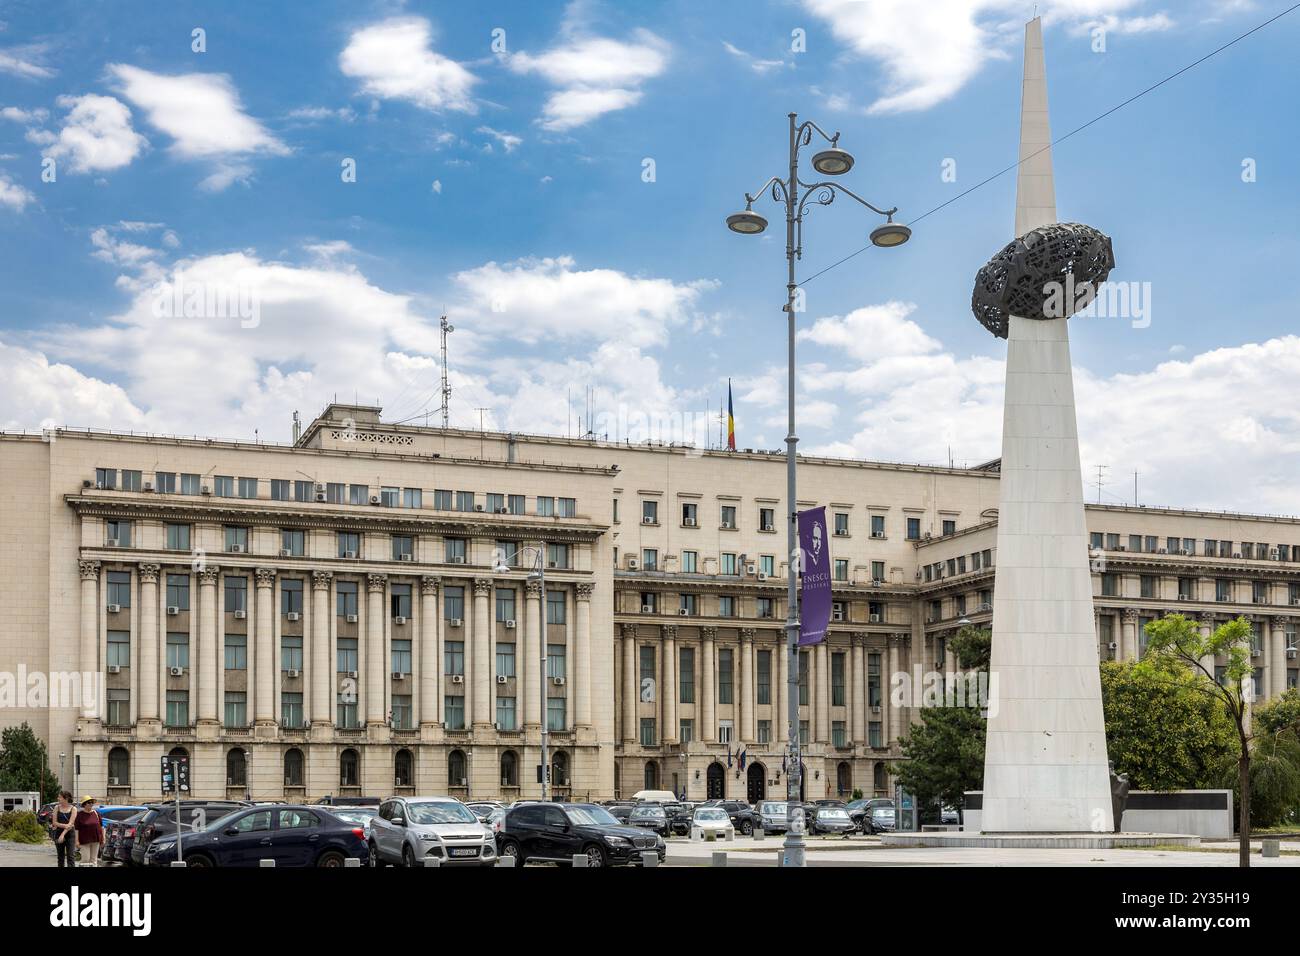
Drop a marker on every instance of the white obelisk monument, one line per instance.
(1045, 767)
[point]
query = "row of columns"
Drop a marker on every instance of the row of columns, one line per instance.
(208, 654)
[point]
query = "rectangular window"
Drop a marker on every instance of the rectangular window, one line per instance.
(346, 712)
(648, 732)
(763, 664)
(178, 537)
(236, 709)
(874, 736)
(119, 707)
(546, 506)
(291, 596)
(106, 478)
(117, 534)
(766, 519)
(453, 658)
(505, 660)
(291, 652)
(236, 590)
(505, 604)
(949, 526)
(358, 494)
(517, 504)
(236, 540)
(390, 497)
(164, 482)
(729, 517)
(304, 490)
(223, 486)
(453, 712)
(349, 544)
(686, 730)
(178, 591)
(507, 552)
(649, 512)
(119, 649)
(119, 588)
(236, 652)
(345, 655)
(728, 565)
(178, 708)
(336, 492)
(496, 503)
(130, 480)
(177, 649)
(803, 678)
(556, 713)
(725, 728)
(400, 657)
(877, 526)
(686, 675)
(688, 604)
(568, 507)
(726, 606)
(557, 556)
(464, 501)
(689, 559)
(764, 731)
(555, 607)
(506, 713)
(724, 675)
(841, 523)
(403, 712)
(1110, 585)
(555, 660)
(403, 547)
(291, 715)
(345, 603)
(456, 550)
(1148, 583)
(837, 680)
(453, 603)
(839, 738)
(690, 514)
(442, 499)
(804, 733)
(399, 600)
(873, 680)
(841, 569)
(248, 487)
(191, 484)
(412, 498)
(878, 572)
(767, 564)
(764, 607)
(649, 559)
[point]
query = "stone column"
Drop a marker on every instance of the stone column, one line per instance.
(264, 651)
(582, 659)
(1278, 658)
(858, 679)
(89, 663)
(430, 653)
(209, 654)
(318, 666)
(534, 614)
(375, 664)
(780, 696)
(146, 668)
(630, 695)
(1206, 627)
(668, 684)
(1129, 646)
(708, 686)
(822, 695)
(746, 729)
(891, 715)
(482, 638)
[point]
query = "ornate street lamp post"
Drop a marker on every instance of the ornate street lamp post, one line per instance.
(829, 162)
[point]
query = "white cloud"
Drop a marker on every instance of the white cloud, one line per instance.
(873, 332)
(437, 186)
(37, 394)
(929, 51)
(18, 115)
(26, 62)
(753, 62)
(507, 140)
(318, 114)
(596, 75)
(203, 115)
(394, 60)
(97, 134)
(119, 252)
(14, 196)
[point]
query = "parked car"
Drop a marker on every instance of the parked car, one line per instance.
(293, 836)
(409, 830)
(559, 831)
(773, 815)
(119, 835)
(330, 800)
(160, 821)
(357, 816)
(950, 816)
(620, 811)
(713, 820)
(483, 808)
(679, 817)
(650, 816)
(742, 814)
(881, 819)
(860, 809)
(831, 820)
(654, 796)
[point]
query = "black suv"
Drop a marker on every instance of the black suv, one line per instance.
(160, 820)
(557, 832)
(743, 817)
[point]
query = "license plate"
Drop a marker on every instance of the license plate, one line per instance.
(464, 851)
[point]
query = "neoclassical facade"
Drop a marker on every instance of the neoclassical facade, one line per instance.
(330, 618)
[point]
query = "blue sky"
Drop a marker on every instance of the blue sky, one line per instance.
(503, 156)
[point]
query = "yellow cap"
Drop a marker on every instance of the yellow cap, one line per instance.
(85, 800)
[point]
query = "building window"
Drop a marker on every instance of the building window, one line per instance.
(688, 604)
(1222, 590)
(873, 680)
(725, 728)
(505, 660)
(119, 649)
(346, 655)
(841, 569)
(728, 564)
(164, 482)
(390, 497)
(803, 678)
(236, 709)
(729, 517)
(878, 572)
(649, 512)
(505, 604)
(1148, 583)
(690, 514)
(453, 603)
(400, 655)
(837, 680)
(291, 652)
(236, 591)
(546, 506)
(291, 716)
(442, 499)
(178, 708)
(291, 596)
(874, 737)
(223, 486)
(178, 649)
(686, 675)
(839, 738)
(119, 588)
(453, 658)
(1110, 585)
(280, 489)
(399, 601)
(506, 713)
(178, 537)
(293, 544)
(453, 712)
(724, 675)
(764, 607)
(648, 732)
(689, 559)
(877, 526)
(555, 607)
(556, 715)
(726, 606)
(686, 730)
(347, 717)
(804, 733)
(358, 494)
(557, 556)
(236, 540)
(349, 769)
(349, 544)
(236, 652)
(568, 507)
(647, 661)
(649, 559)
(555, 661)
(763, 664)
(403, 547)
(119, 712)
(345, 599)
(764, 732)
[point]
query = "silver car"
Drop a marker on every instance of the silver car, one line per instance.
(409, 830)
(772, 815)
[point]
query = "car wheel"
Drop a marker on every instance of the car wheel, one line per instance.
(595, 856)
(331, 860)
(513, 850)
(747, 827)
(408, 856)
(199, 862)
(375, 860)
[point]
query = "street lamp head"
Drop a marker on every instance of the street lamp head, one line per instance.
(501, 568)
(964, 621)
(747, 223)
(833, 162)
(889, 234)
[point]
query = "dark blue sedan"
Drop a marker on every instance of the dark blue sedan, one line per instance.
(293, 836)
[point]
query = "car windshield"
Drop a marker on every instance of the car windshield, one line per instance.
(883, 812)
(648, 812)
(711, 814)
(774, 808)
(590, 816)
(835, 813)
(440, 811)
(355, 814)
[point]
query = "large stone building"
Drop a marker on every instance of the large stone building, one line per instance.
(328, 617)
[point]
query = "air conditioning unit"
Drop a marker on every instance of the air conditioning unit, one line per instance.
(837, 615)
(148, 486)
(552, 564)
(632, 563)
(1237, 555)
(1186, 552)
(399, 675)
(320, 496)
(354, 674)
(762, 576)
(455, 622)
(115, 668)
(478, 507)
(1113, 646)
(986, 606)
(350, 555)
(1120, 547)
(1295, 602)
(241, 615)
(205, 490)
(875, 708)
(557, 681)
(751, 569)
(406, 556)
(877, 582)
(375, 499)
(1163, 551)
(684, 612)
(1184, 597)
(877, 534)
(115, 781)
(458, 678)
(875, 618)
(688, 522)
(767, 527)
(1256, 652)
(352, 619)
(236, 549)
(293, 675)
(647, 608)
(1290, 652)
(114, 608)
(399, 620)
(292, 616)
(111, 543)
(503, 511)
(320, 488)
(728, 526)
(176, 671)
(841, 532)
(1274, 555)
(456, 559)
(286, 553)
(1222, 597)
(173, 610)
(501, 678)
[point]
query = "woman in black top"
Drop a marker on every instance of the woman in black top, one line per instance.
(61, 829)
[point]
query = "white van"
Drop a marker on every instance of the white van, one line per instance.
(655, 796)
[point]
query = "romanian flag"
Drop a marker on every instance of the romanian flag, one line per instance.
(731, 421)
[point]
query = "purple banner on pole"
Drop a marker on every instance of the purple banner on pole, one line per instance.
(815, 563)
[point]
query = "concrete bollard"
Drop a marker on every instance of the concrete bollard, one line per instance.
(351, 861)
(1271, 848)
(580, 859)
(710, 836)
(505, 861)
(649, 858)
(265, 863)
(180, 863)
(760, 833)
(719, 858)
(432, 861)
(731, 834)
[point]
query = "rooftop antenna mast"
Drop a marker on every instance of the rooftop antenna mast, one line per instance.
(446, 327)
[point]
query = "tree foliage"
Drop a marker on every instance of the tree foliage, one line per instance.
(1280, 713)
(23, 764)
(1274, 779)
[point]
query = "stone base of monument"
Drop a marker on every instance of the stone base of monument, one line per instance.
(1040, 841)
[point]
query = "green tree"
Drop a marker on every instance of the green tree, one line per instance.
(1175, 640)
(945, 751)
(23, 763)
(1280, 713)
(1161, 729)
(1275, 779)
